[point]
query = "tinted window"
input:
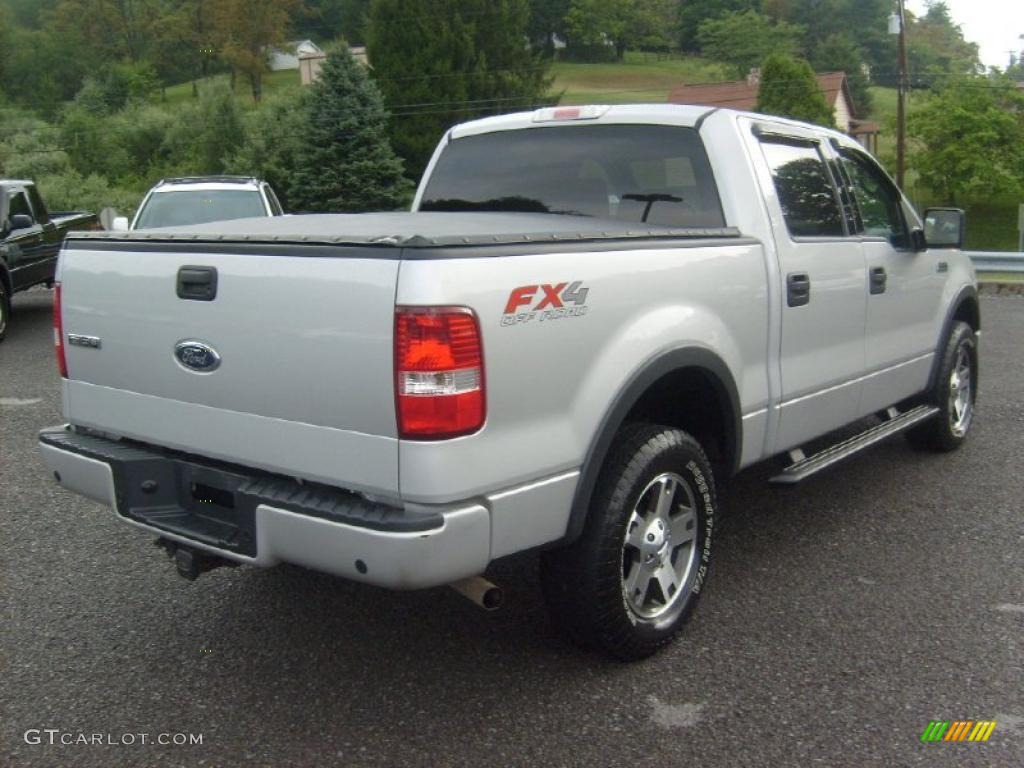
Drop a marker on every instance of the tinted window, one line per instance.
(877, 199)
(17, 203)
(658, 174)
(805, 189)
(175, 209)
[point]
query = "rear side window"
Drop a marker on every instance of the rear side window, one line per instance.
(635, 173)
(805, 189)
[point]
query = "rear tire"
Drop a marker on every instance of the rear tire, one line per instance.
(954, 392)
(5, 310)
(630, 582)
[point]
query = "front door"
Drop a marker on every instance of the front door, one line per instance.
(25, 247)
(904, 288)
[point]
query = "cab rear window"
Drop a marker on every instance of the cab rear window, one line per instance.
(635, 173)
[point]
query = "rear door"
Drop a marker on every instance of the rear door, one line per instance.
(904, 287)
(824, 284)
(271, 356)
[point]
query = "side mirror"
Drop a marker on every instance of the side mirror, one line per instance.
(944, 227)
(119, 224)
(21, 221)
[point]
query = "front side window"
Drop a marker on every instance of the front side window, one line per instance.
(654, 174)
(176, 209)
(17, 204)
(805, 189)
(877, 199)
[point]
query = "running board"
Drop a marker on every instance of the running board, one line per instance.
(802, 468)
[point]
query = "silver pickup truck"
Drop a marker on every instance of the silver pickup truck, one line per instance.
(591, 318)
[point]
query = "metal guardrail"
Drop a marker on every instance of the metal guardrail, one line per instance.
(997, 261)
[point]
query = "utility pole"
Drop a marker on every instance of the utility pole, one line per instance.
(901, 100)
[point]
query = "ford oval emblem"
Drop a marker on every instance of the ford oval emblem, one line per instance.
(197, 356)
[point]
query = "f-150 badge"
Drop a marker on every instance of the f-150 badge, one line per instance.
(545, 302)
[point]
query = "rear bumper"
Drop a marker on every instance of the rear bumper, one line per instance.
(264, 520)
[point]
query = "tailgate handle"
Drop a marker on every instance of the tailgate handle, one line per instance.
(197, 283)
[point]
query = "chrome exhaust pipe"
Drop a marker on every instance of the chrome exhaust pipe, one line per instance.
(480, 591)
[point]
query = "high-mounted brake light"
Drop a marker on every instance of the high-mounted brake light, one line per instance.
(58, 332)
(439, 372)
(558, 114)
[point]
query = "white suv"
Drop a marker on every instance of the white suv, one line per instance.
(201, 199)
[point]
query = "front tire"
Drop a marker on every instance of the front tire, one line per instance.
(631, 581)
(954, 392)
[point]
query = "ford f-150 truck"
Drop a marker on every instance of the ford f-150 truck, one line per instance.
(30, 239)
(591, 318)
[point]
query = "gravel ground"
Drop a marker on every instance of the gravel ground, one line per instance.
(841, 616)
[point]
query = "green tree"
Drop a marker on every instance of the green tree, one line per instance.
(205, 134)
(274, 140)
(936, 46)
(968, 140)
(745, 39)
(865, 22)
(439, 62)
(547, 18)
(245, 29)
(693, 13)
(644, 24)
(114, 85)
(334, 19)
(838, 53)
(789, 89)
(345, 162)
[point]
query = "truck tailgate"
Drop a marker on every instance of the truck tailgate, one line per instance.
(304, 340)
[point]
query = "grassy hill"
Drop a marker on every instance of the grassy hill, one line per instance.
(272, 81)
(640, 78)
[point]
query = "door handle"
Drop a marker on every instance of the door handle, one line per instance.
(798, 289)
(878, 280)
(197, 283)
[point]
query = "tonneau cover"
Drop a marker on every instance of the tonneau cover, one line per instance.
(410, 230)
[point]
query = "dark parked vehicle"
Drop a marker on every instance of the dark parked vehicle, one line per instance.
(30, 239)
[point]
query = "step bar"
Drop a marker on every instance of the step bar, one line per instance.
(803, 467)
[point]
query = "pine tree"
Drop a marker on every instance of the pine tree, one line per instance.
(441, 62)
(345, 162)
(789, 89)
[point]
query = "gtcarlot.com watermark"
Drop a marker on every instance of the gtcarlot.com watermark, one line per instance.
(58, 737)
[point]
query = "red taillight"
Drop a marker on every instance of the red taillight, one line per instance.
(58, 332)
(439, 372)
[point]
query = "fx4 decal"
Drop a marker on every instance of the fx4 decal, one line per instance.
(545, 302)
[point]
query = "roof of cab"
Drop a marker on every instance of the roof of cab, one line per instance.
(656, 114)
(684, 115)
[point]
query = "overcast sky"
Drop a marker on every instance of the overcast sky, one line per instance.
(995, 25)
